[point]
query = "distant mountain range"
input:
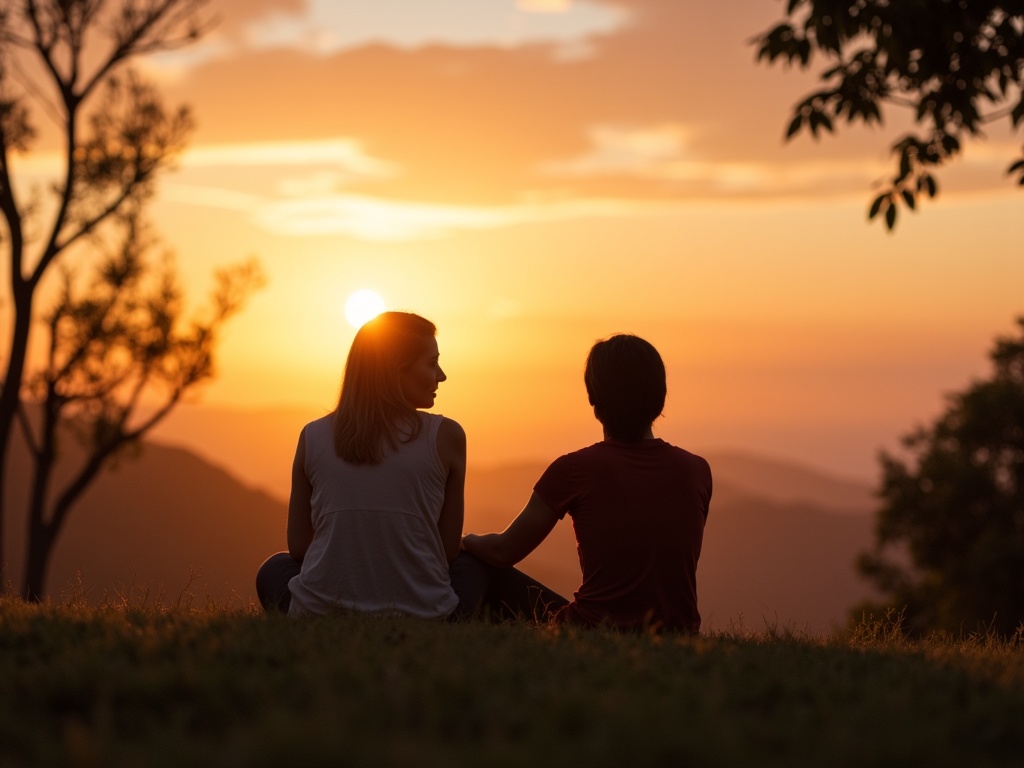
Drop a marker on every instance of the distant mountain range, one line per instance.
(165, 523)
(779, 545)
(778, 549)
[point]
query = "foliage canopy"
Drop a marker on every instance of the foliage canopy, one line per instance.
(957, 65)
(950, 536)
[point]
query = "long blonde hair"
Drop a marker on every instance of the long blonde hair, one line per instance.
(372, 413)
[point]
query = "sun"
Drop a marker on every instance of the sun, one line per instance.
(363, 305)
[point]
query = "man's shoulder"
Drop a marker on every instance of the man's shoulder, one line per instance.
(570, 464)
(692, 460)
(611, 452)
(581, 455)
(690, 455)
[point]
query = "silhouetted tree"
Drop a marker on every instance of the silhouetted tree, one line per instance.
(119, 343)
(957, 65)
(950, 536)
(119, 358)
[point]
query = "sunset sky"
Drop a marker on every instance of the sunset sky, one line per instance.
(535, 175)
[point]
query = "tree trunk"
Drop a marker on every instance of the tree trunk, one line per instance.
(37, 558)
(10, 400)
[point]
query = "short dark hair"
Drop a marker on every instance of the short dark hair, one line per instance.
(625, 379)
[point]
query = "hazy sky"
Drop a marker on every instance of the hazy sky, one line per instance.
(533, 176)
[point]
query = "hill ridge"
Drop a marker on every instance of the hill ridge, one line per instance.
(169, 520)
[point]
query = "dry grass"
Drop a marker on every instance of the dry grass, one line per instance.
(134, 682)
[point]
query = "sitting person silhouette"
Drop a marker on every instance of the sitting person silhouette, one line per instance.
(376, 507)
(638, 504)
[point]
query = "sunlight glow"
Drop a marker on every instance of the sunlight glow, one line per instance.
(362, 306)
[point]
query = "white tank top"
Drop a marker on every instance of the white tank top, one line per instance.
(375, 544)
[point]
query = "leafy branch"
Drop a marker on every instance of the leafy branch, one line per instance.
(956, 65)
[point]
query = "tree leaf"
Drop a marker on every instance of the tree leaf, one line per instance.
(926, 182)
(804, 50)
(794, 126)
(815, 120)
(890, 217)
(876, 206)
(904, 164)
(1018, 112)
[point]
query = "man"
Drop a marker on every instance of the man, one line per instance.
(638, 504)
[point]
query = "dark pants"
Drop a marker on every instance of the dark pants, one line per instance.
(501, 594)
(272, 581)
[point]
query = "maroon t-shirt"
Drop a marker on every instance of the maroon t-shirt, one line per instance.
(638, 510)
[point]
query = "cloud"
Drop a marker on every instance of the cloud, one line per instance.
(345, 154)
(378, 219)
(324, 27)
(666, 152)
(370, 218)
(310, 189)
(211, 197)
(670, 106)
(630, 151)
(472, 125)
(544, 6)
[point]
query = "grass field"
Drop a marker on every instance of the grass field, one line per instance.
(152, 686)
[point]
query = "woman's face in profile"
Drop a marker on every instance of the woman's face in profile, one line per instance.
(421, 377)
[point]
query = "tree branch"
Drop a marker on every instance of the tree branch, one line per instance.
(131, 38)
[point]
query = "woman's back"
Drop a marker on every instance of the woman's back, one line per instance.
(376, 545)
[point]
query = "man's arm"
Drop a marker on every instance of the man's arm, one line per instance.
(523, 535)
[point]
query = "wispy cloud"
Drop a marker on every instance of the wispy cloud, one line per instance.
(666, 152)
(617, 150)
(344, 154)
(371, 218)
(308, 187)
(544, 6)
(325, 27)
(378, 219)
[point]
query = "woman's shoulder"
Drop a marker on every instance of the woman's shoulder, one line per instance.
(450, 431)
(317, 434)
(451, 441)
(323, 424)
(439, 422)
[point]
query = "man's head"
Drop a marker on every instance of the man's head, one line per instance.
(625, 380)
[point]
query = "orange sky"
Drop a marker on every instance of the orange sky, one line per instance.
(533, 177)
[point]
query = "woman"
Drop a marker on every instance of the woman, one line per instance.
(376, 507)
(638, 504)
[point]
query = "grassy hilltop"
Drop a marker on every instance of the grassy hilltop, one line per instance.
(119, 685)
